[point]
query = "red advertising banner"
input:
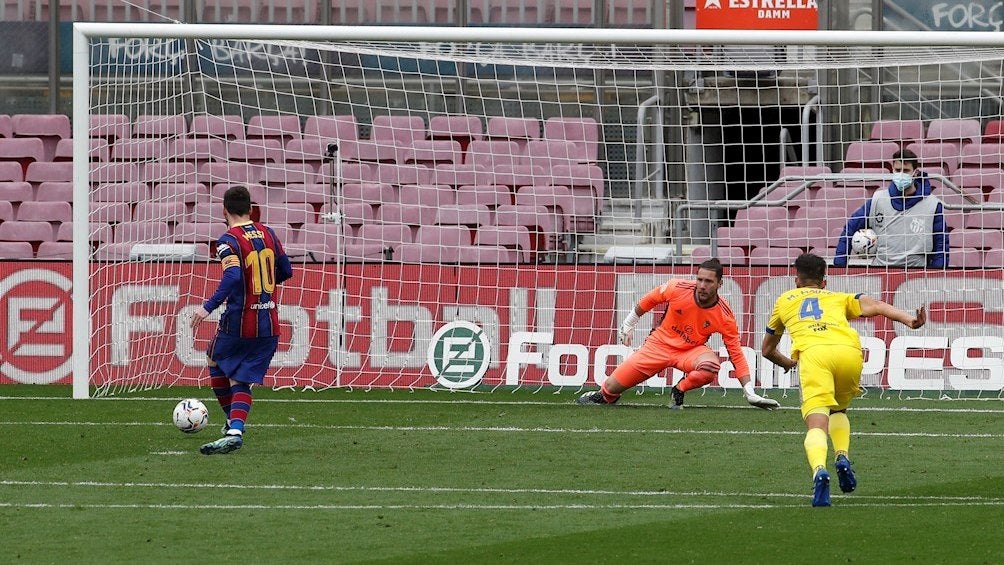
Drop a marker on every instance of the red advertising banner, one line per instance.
(372, 325)
(757, 14)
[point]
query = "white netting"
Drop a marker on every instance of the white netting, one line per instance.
(535, 189)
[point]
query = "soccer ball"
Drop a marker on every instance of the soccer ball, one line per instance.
(864, 242)
(190, 415)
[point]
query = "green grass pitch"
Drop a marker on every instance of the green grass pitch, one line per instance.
(440, 477)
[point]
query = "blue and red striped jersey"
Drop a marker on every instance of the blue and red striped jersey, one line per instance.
(254, 264)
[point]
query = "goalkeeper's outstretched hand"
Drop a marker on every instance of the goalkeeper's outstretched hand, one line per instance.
(763, 403)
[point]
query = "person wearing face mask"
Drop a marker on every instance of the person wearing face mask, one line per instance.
(909, 222)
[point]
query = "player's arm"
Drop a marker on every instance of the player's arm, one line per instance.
(871, 307)
(283, 267)
(768, 348)
(730, 335)
(230, 280)
(651, 299)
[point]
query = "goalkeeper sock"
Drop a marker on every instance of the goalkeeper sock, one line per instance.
(221, 388)
(815, 448)
(240, 407)
(840, 432)
(609, 397)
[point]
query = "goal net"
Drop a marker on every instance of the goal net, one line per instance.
(480, 207)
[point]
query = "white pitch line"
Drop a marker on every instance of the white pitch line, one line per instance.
(534, 430)
(169, 453)
(843, 502)
(476, 490)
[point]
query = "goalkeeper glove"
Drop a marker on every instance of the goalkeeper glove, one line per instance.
(756, 400)
(626, 332)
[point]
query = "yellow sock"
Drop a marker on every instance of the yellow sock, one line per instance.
(815, 448)
(840, 432)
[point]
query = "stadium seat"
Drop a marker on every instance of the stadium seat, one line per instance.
(400, 130)
(980, 155)
(871, 154)
(994, 132)
(491, 195)
(6, 126)
(488, 254)
(745, 238)
(436, 244)
(291, 213)
(215, 173)
(331, 128)
(518, 130)
(170, 212)
(959, 132)
(869, 178)
(574, 12)
(766, 218)
(349, 12)
(207, 212)
(11, 171)
(431, 153)
(471, 215)
(254, 151)
(55, 250)
(309, 151)
(149, 125)
(457, 175)
(629, 13)
(185, 192)
(287, 234)
(992, 259)
(831, 218)
(129, 192)
(141, 232)
(6, 211)
(353, 215)
(194, 150)
(54, 192)
(426, 195)
(28, 231)
(139, 149)
(558, 199)
(368, 151)
(803, 238)
(167, 171)
(110, 212)
(582, 180)
(985, 220)
(396, 213)
(311, 193)
(732, 256)
(39, 172)
(114, 251)
(966, 258)
(25, 150)
(850, 198)
(583, 132)
(286, 173)
(44, 211)
(226, 127)
(49, 128)
(318, 242)
(536, 219)
(519, 175)
(901, 132)
(281, 128)
(110, 127)
(462, 129)
(931, 154)
(289, 12)
(16, 192)
(515, 12)
(257, 191)
(492, 154)
(376, 242)
(955, 219)
(99, 150)
(516, 238)
(374, 193)
(16, 250)
(548, 154)
(403, 174)
(978, 182)
(977, 239)
(776, 256)
(98, 232)
(790, 185)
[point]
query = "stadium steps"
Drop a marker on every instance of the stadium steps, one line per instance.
(619, 227)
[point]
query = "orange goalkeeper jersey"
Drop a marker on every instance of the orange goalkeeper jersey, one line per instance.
(688, 325)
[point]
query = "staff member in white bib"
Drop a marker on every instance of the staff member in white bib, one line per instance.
(909, 222)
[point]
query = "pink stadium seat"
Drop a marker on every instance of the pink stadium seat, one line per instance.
(494, 153)
(517, 12)
(985, 220)
(286, 233)
(436, 244)
(69, 11)
(994, 132)
(803, 238)
(403, 174)
(350, 12)
(931, 154)
(727, 255)
(396, 213)
(992, 259)
(45, 212)
(869, 178)
(318, 242)
(958, 132)
(289, 12)
(185, 192)
(374, 193)
(978, 182)
(54, 192)
(977, 239)
(141, 232)
(121, 192)
(99, 150)
(55, 250)
(376, 242)
(582, 179)
(371, 151)
(113, 251)
(629, 13)
(257, 191)
(574, 12)
(518, 130)
(520, 175)
(491, 195)
(309, 151)
(536, 219)
(12, 172)
(850, 198)
(462, 129)
(743, 237)
(966, 258)
(226, 127)
(470, 215)
(22, 150)
(6, 211)
(286, 173)
(28, 231)
(897, 131)
(290, 213)
(254, 151)
(167, 171)
(354, 215)
(214, 173)
(431, 153)
(979, 155)
(194, 150)
(426, 195)
(549, 154)
(791, 183)
(170, 212)
(110, 212)
(110, 127)
(777, 256)
(583, 132)
(39, 172)
(311, 193)
(16, 250)
(458, 175)
(139, 149)
(766, 218)
(831, 218)
(207, 212)
(487, 254)
(113, 172)
(6, 126)
(559, 200)
(16, 192)
(870, 154)
(516, 238)
(159, 126)
(402, 130)
(331, 128)
(50, 128)
(281, 128)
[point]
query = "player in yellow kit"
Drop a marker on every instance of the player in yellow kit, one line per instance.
(827, 351)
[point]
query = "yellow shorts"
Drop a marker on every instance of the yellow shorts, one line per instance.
(830, 376)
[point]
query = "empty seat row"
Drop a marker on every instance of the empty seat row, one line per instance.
(963, 258)
(954, 131)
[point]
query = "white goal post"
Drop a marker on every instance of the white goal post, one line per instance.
(373, 151)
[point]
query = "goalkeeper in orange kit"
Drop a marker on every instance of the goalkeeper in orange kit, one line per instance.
(694, 312)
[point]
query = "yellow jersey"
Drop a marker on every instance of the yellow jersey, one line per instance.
(816, 316)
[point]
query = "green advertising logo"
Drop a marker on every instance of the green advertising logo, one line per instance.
(459, 355)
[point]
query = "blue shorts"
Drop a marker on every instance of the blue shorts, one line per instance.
(243, 359)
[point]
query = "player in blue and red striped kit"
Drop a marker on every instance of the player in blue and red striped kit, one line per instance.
(254, 263)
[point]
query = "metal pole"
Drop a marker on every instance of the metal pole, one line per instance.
(54, 57)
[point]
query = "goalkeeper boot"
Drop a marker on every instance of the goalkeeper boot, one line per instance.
(677, 398)
(594, 397)
(225, 444)
(821, 488)
(845, 474)
(225, 428)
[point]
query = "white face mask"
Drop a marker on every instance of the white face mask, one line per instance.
(902, 180)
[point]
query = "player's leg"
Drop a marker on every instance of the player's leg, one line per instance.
(220, 384)
(817, 384)
(635, 369)
(847, 383)
(249, 365)
(701, 366)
